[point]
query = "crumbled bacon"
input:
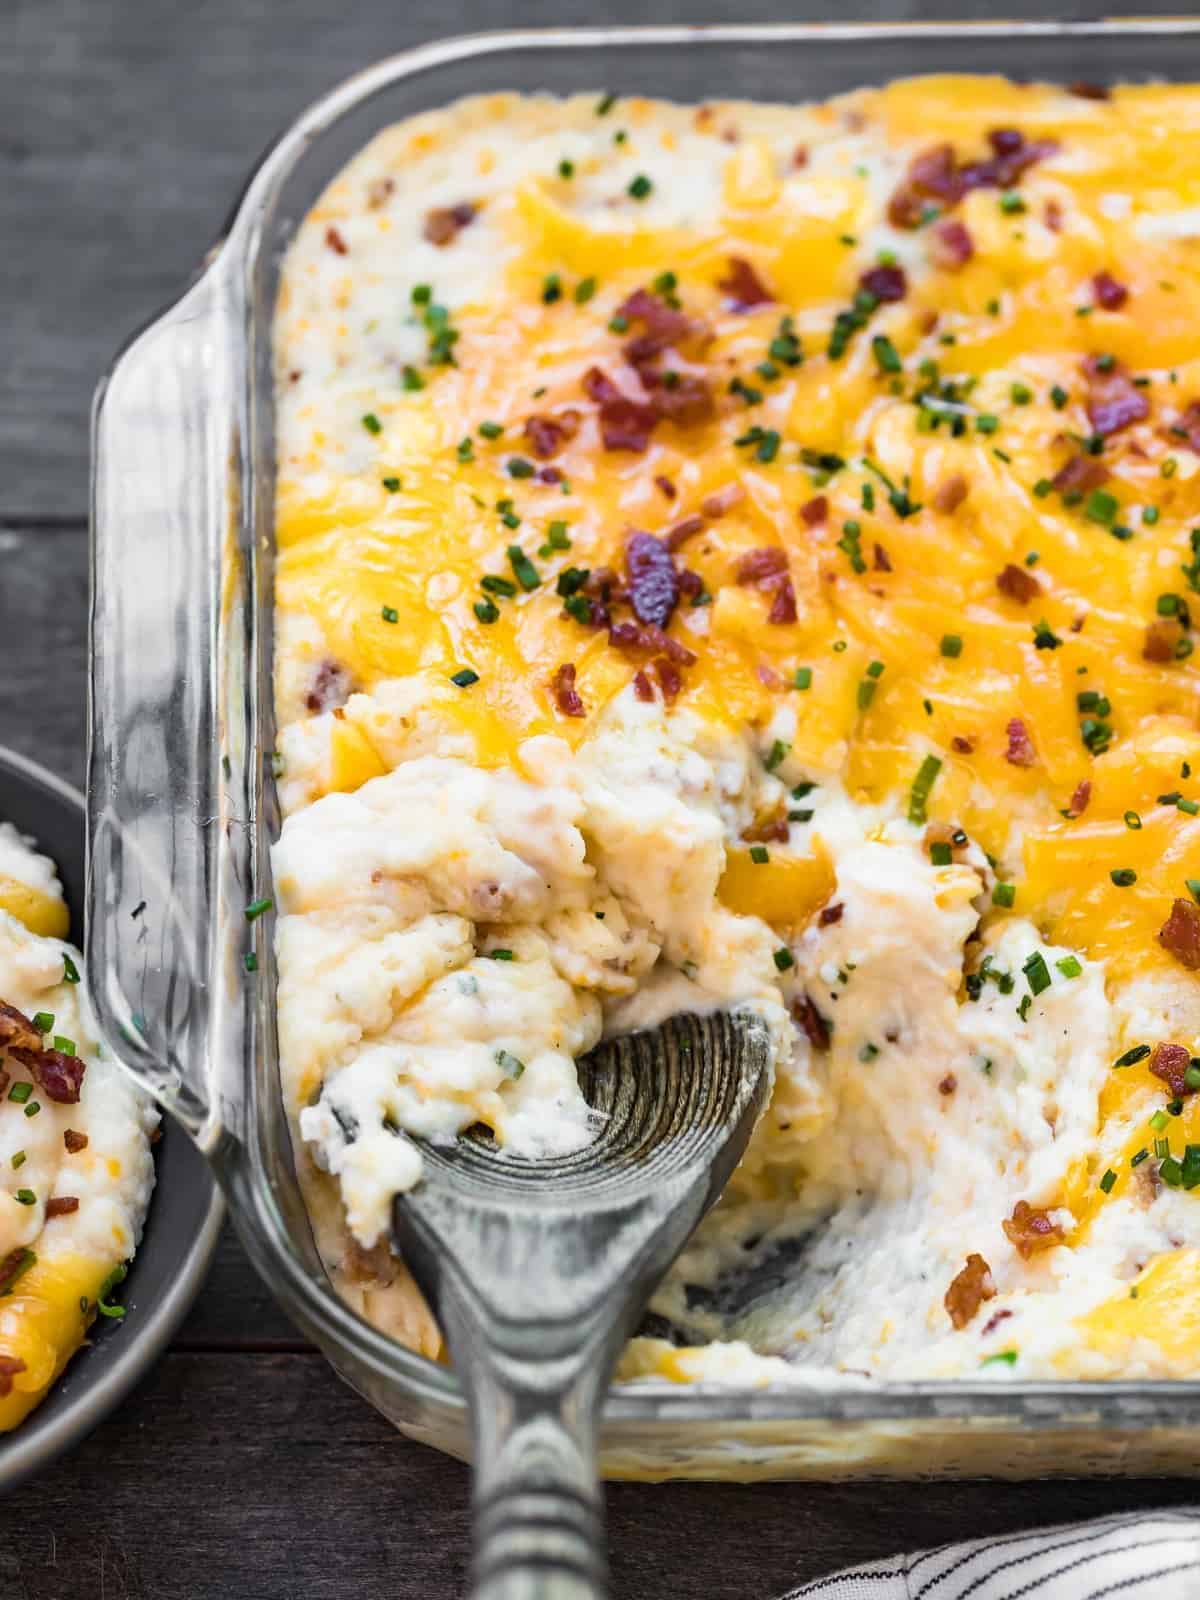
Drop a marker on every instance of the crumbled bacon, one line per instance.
(1161, 638)
(950, 493)
(951, 245)
(669, 676)
(566, 695)
(61, 1205)
(9, 1367)
(830, 914)
(1020, 746)
(969, 1289)
(331, 687)
(444, 223)
(1170, 1062)
(721, 500)
(57, 1074)
(1018, 583)
(1180, 933)
(1052, 216)
(811, 1020)
(642, 687)
(947, 1085)
(633, 638)
(690, 583)
(663, 325)
(769, 829)
(75, 1142)
(814, 512)
(1089, 91)
(1080, 475)
(547, 435)
(1109, 293)
(1114, 400)
(661, 481)
(744, 286)
(625, 424)
(1030, 1230)
(994, 1321)
(886, 282)
(335, 241)
(684, 398)
(768, 561)
(880, 560)
(962, 745)
(16, 1029)
(783, 606)
(1081, 797)
(679, 535)
(935, 174)
(653, 581)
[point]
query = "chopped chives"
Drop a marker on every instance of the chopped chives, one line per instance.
(1107, 1181)
(1037, 974)
(803, 680)
(923, 783)
(940, 853)
(392, 485)
(70, 970)
(951, 645)
(501, 955)
(518, 467)
(43, 1021)
(390, 614)
(759, 855)
(372, 423)
(1004, 894)
(777, 754)
(464, 678)
(1123, 876)
(1069, 966)
(32, 1109)
(784, 959)
(497, 585)
(18, 1160)
(20, 1092)
(1132, 820)
(640, 187)
(525, 571)
(490, 430)
(250, 961)
(256, 908)
(886, 354)
(25, 1197)
(512, 1066)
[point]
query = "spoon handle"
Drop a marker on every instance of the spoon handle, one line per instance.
(537, 1501)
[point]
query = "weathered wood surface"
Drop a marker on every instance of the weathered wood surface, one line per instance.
(242, 1467)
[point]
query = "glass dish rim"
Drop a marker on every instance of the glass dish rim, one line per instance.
(840, 1398)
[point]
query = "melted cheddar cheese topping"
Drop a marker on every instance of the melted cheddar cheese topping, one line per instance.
(905, 390)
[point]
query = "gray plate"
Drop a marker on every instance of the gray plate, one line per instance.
(185, 1210)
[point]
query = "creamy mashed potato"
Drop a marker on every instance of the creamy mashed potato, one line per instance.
(744, 556)
(75, 1165)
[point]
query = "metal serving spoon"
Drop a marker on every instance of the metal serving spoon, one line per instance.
(538, 1272)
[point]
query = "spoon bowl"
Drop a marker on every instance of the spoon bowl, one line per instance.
(539, 1270)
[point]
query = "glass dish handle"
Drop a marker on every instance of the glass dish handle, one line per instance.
(166, 443)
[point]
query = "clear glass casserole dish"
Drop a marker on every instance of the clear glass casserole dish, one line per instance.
(182, 808)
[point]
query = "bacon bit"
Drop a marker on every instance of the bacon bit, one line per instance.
(783, 607)
(547, 435)
(951, 245)
(1081, 474)
(963, 746)
(379, 192)
(1162, 635)
(683, 531)
(1170, 1062)
(905, 208)
(950, 493)
(972, 1286)
(1030, 1231)
(549, 475)
(886, 283)
(75, 1142)
(331, 686)
(1081, 797)
(831, 914)
(686, 401)
(768, 561)
(744, 286)
(661, 481)
(16, 1029)
(1052, 216)
(799, 157)
(642, 687)
(994, 1321)
(627, 424)
(334, 240)
(669, 676)
(1110, 295)
(811, 1020)
(1012, 156)
(663, 325)
(566, 696)
(444, 223)
(634, 637)
(948, 1084)
(814, 512)
(1020, 752)
(1180, 933)
(57, 1074)
(715, 505)
(1018, 583)
(1090, 91)
(934, 172)
(690, 583)
(1114, 401)
(61, 1206)
(772, 828)
(653, 581)
(10, 1365)
(880, 560)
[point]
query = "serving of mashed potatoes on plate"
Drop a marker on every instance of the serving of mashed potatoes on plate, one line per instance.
(744, 555)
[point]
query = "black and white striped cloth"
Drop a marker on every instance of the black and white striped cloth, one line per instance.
(1135, 1556)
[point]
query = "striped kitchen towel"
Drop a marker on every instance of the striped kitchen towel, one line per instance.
(1134, 1556)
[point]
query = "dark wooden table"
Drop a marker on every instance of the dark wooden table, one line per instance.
(242, 1467)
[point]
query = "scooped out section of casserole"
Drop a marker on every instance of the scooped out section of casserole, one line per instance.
(744, 556)
(76, 1170)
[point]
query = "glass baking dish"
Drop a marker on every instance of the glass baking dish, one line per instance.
(182, 808)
